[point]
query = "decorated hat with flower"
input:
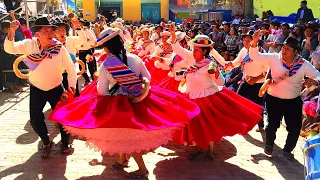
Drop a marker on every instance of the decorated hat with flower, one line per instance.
(202, 41)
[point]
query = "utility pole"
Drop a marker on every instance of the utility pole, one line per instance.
(75, 6)
(27, 12)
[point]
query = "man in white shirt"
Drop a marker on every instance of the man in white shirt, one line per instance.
(47, 59)
(87, 49)
(287, 72)
(71, 43)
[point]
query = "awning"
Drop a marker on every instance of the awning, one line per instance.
(177, 9)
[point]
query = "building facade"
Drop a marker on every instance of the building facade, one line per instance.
(133, 10)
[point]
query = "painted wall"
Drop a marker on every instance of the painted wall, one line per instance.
(152, 11)
(131, 9)
(285, 7)
(165, 9)
(89, 10)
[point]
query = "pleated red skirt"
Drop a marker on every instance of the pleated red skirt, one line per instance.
(224, 113)
(157, 74)
(169, 83)
(114, 125)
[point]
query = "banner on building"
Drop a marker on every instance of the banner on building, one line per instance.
(194, 2)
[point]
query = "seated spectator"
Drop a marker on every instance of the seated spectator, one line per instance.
(232, 40)
(315, 55)
(215, 36)
(310, 42)
(264, 36)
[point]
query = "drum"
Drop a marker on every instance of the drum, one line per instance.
(311, 151)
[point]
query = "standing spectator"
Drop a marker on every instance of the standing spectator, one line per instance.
(304, 12)
(310, 42)
(4, 26)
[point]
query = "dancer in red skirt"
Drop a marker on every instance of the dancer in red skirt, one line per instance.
(125, 116)
(175, 65)
(156, 36)
(223, 112)
(162, 52)
(145, 45)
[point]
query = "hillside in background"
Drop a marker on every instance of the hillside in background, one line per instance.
(284, 7)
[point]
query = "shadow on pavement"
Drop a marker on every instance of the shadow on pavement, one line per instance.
(182, 168)
(287, 169)
(35, 167)
(9, 100)
(30, 136)
(108, 171)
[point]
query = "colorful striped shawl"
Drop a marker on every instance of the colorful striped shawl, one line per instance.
(296, 65)
(124, 76)
(157, 39)
(199, 65)
(53, 49)
(146, 43)
(165, 51)
(33, 60)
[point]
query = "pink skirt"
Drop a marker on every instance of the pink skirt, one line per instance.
(157, 75)
(310, 108)
(224, 113)
(169, 83)
(114, 125)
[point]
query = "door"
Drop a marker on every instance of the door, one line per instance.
(110, 12)
(151, 11)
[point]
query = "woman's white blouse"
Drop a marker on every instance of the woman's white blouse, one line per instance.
(106, 81)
